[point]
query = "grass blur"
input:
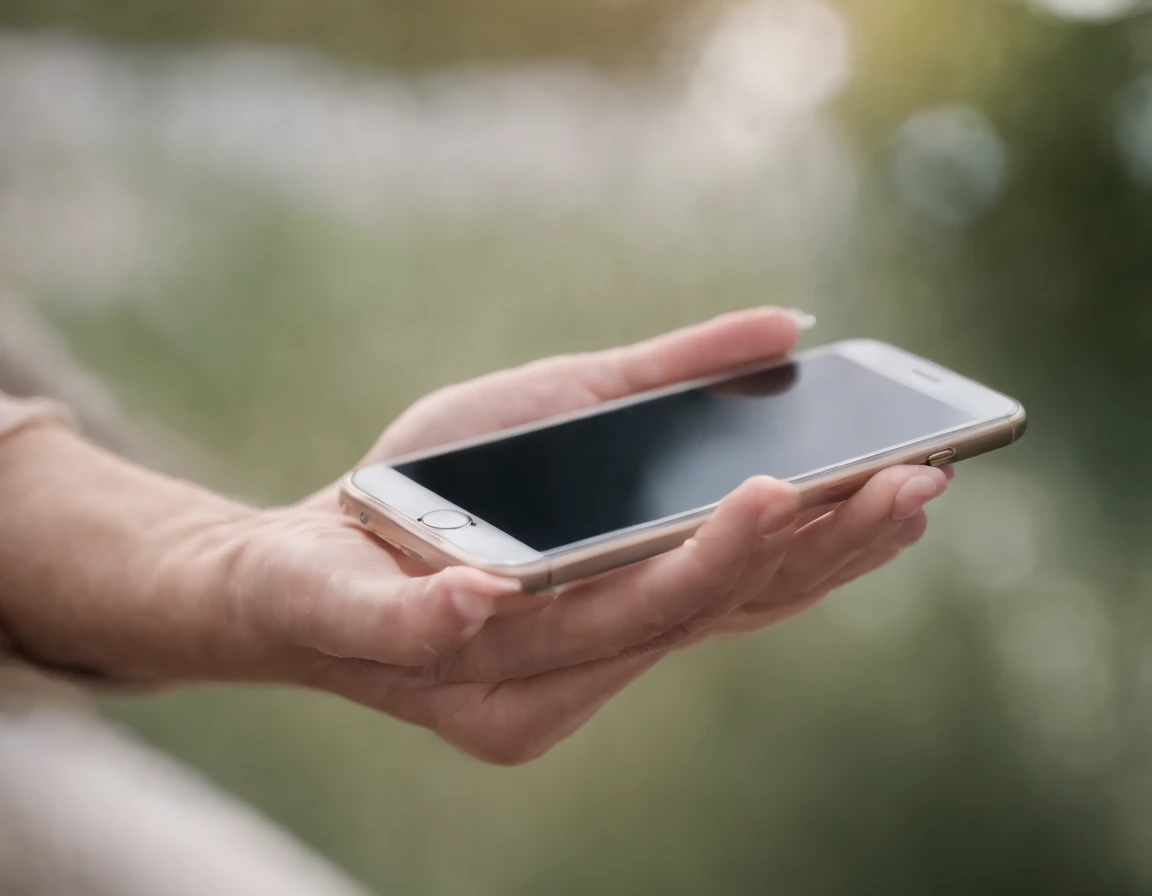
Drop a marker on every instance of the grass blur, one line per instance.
(272, 236)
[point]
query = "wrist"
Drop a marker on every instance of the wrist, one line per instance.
(110, 569)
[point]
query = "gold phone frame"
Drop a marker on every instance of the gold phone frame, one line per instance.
(398, 524)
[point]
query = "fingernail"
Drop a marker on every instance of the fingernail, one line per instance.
(802, 319)
(774, 520)
(913, 495)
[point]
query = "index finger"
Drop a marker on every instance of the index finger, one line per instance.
(729, 341)
(569, 383)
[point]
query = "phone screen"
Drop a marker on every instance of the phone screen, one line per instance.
(585, 478)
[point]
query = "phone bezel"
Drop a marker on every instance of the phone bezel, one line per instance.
(391, 504)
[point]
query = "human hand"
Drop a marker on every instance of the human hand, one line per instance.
(184, 585)
(444, 651)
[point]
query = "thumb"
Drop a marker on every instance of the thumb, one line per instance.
(403, 620)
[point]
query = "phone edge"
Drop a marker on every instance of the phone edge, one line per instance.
(827, 487)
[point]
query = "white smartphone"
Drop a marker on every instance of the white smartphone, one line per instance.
(574, 496)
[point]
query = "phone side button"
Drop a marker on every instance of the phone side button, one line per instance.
(941, 457)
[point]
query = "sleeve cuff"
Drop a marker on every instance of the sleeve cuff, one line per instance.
(19, 413)
(23, 680)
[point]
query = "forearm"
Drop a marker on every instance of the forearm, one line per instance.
(109, 568)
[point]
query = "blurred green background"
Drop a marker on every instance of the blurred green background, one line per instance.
(271, 226)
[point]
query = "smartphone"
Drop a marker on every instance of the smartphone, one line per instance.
(574, 496)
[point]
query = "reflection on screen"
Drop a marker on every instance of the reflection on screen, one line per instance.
(633, 465)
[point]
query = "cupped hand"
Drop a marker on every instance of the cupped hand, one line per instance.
(505, 676)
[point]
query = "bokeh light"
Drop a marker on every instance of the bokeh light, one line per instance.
(950, 164)
(1134, 128)
(1091, 10)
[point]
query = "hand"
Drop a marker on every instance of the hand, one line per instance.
(176, 583)
(437, 650)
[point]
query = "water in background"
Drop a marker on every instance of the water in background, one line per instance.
(245, 223)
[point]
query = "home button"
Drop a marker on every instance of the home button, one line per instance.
(446, 519)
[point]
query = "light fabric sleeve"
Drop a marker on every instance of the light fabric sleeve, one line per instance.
(19, 413)
(23, 682)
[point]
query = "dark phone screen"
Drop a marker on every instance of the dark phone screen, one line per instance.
(636, 464)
